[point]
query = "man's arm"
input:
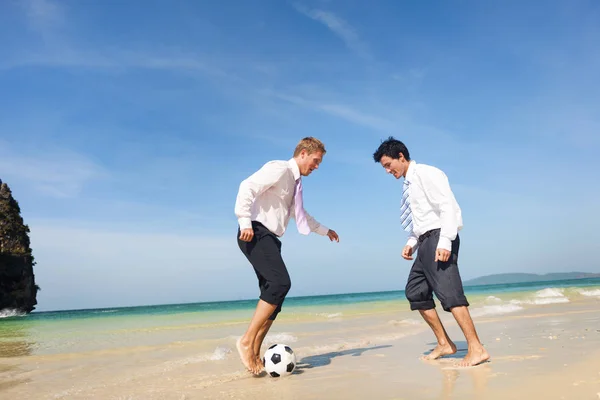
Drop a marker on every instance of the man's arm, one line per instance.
(252, 187)
(313, 224)
(412, 241)
(321, 229)
(410, 247)
(437, 189)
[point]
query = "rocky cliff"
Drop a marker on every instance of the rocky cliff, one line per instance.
(18, 290)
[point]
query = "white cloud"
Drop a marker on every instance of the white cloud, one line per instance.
(81, 267)
(340, 111)
(339, 27)
(52, 173)
(358, 117)
(68, 56)
(48, 18)
(43, 15)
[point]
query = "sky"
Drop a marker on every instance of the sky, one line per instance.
(126, 128)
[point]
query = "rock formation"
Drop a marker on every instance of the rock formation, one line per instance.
(18, 290)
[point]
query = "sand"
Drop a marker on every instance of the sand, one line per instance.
(547, 352)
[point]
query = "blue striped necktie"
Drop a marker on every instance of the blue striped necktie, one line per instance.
(405, 213)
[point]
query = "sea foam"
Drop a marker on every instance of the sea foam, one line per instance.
(590, 293)
(495, 309)
(280, 338)
(11, 312)
(546, 296)
(330, 315)
(220, 353)
(543, 297)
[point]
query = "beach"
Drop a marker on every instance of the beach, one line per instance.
(543, 338)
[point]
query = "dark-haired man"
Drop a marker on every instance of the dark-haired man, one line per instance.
(265, 203)
(431, 216)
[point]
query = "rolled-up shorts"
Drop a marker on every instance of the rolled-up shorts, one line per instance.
(264, 253)
(428, 276)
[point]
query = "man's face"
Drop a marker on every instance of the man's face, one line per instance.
(307, 163)
(395, 166)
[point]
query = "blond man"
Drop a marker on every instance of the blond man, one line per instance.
(265, 203)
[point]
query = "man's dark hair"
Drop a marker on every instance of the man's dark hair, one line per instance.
(391, 148)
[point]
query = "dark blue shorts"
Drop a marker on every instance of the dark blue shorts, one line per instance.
(264, 253)
(428, 276)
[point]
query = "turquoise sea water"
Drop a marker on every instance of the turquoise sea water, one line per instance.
(159, 325)
(213, 309)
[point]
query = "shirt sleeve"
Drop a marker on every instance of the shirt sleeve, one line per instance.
(412, 241)
(437, 189)
(313, 224)
(252, 187)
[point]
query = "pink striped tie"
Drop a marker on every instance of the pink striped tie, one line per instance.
(301, 221)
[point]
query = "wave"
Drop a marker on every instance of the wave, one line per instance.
(330, 315)
(545, 296)
(280, 338)
(11, 312)
(493, 305)
(495, 309)
(220, 353)
(589, 293)
(407, 321)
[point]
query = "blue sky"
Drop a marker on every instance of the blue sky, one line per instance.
(126, 127)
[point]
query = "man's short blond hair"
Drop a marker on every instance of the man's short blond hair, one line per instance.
(311, 145)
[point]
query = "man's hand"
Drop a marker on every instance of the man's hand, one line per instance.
(333, 236)
(247, 234)
(442, 255)
(407, 252)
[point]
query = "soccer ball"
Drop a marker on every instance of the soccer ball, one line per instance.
(279, 360)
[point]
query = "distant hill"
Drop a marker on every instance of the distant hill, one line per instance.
(523, 277)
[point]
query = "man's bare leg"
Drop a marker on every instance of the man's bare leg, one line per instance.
(476, 353)
(262, 332)
(445, 346)
(245, 345)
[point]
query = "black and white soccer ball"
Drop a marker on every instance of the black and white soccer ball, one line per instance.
(279, 360)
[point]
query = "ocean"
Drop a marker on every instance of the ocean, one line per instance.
(87, 330)
(159, 351)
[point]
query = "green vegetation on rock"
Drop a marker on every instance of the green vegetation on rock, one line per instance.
(18, 290)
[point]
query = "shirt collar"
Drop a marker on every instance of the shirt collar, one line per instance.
(294, 166)
(410, 172)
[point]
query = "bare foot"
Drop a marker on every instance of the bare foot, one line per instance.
(247, 356)
(474, 357)
(259, 363)
(440, 351)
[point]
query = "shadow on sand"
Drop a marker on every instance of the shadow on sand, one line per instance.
(321, 360)
(461, 350)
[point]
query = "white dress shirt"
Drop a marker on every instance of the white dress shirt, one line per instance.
(267, 196)
(432, 205)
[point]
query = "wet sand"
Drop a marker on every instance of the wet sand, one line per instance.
(550, 352)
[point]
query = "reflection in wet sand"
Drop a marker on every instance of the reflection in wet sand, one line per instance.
(15, 348)
(479, 377)
(15, 340)
(9, 376)
(10, 383)
(14, 343)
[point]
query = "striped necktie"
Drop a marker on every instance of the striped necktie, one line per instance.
(405, 213)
